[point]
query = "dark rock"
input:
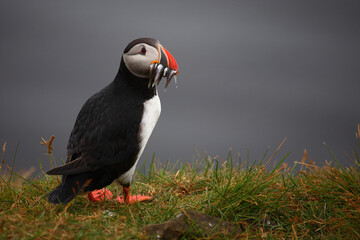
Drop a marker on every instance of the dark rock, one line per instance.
(191, 223)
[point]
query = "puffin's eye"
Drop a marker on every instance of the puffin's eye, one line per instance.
(143, 50)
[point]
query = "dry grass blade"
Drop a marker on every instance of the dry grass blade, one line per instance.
(48, 144)
(278, 148)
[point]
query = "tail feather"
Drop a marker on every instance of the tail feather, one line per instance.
(69, 187)
(61, 195)
(74, 167)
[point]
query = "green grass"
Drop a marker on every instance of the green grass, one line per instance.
(313, 203)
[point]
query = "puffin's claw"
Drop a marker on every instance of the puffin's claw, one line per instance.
(133, 199)
(100, 195)
(157, 72)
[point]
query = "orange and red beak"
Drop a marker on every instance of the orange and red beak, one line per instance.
(170, 60)
(166, 68)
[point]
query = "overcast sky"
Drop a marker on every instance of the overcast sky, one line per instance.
(251, 74)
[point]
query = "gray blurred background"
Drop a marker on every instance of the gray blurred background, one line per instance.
(251, 74)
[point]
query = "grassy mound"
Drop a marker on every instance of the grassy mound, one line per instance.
(315, 202)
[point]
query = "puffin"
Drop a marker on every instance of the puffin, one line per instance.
(114, 126)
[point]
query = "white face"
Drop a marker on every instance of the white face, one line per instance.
(139, 58)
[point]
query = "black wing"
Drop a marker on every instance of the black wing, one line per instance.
(79, 165)
(105, 133)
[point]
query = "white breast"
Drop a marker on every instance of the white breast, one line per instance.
(152, 109)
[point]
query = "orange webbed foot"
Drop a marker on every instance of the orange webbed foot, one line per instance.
(131, 199)
(100, 195)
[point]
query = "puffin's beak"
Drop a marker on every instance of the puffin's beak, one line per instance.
(170, 60)
(167, 68)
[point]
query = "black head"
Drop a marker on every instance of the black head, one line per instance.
(142, 54)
